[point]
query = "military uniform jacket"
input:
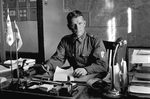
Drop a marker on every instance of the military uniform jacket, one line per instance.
(85, 52)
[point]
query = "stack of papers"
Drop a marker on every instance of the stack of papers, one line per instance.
(139, 89)
(140, 56)
(140, 83)
(44, 87)
(28, 63)
(136, 80)
(146, 65)
(142, 76)
(20, 60)
(143, 52)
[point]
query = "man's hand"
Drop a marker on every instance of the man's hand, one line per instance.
(79, 72)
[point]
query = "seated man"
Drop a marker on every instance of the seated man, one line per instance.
(85, 53)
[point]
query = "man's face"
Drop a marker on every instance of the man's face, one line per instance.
(78, 25)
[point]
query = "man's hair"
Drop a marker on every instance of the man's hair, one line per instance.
(73, 14)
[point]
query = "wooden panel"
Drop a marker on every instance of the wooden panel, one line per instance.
(2, 44)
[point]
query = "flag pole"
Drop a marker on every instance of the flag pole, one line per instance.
(18, 72)
(18, 43)
(11, 64)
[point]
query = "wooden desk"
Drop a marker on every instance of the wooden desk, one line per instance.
(19, 93)
(84, 92)
(7, 71)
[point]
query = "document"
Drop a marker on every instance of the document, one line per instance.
(4, 69)
(146, 65)
(140, 57)
(139, 89)
(137, 81)
(63, 74)
(44, 87)
(20, 60)
(143, 52)
(2, 79)
(7, 64)
(143, 76)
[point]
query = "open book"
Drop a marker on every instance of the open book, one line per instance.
(63, 74)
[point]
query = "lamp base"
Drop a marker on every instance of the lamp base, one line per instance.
(112, 94)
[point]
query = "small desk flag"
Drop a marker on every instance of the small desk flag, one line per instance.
(10, 35)
(18, 36)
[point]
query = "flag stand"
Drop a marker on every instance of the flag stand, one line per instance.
(11, 64)
(18, 72)
(15, 84)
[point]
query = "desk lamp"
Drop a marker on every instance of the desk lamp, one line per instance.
(112, 49)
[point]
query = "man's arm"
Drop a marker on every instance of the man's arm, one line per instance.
(100, 56)
(58, 58)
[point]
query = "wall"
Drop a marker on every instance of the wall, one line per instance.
(55, 26)
(140, 36)
(98, 13)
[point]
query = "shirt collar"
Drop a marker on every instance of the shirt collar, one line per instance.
(80, 39)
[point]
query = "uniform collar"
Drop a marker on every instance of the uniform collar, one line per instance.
(80, 39)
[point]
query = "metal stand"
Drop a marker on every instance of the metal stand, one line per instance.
(112, 91)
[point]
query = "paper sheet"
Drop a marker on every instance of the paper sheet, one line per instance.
(143, 76)
(135, 80)
(139, 89)
(28, 63)
(146, 64)
(3, 79)
(143, 52)
(63, 74)
(45, 87)
(4, 69)
(140, 58)
(20, 60)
